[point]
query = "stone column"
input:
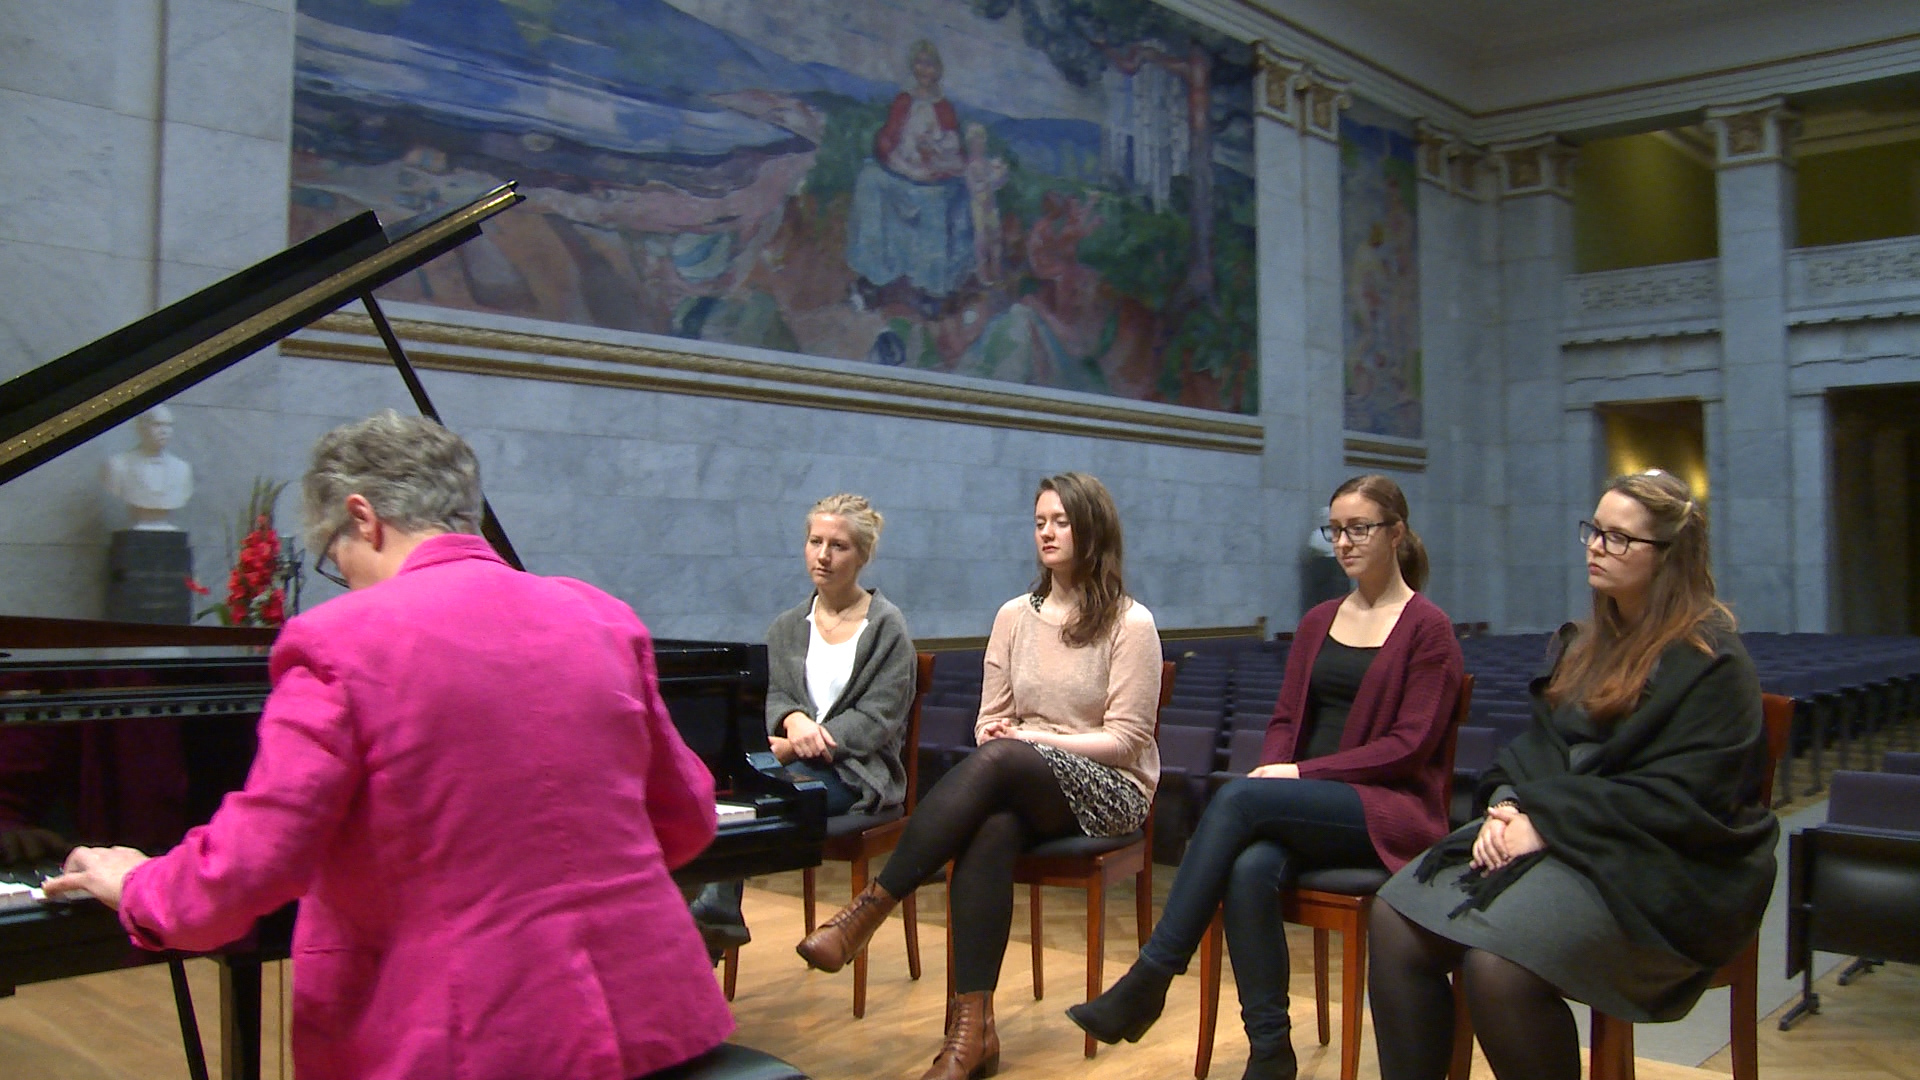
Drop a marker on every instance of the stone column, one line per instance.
(1753, 500)
(1812, 442)
(1534, 513)
(1297, 146)
(1454, 375)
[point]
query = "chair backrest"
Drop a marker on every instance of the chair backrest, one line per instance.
(1448, 749)
(1778, 711)
(1167, 670)
(910, 750)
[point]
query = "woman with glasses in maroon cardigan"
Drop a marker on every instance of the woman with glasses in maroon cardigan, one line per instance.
(1352, 777)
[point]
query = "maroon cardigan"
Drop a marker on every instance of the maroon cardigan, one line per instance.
(1392, 749)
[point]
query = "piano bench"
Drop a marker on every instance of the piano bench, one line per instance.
(731, 1062)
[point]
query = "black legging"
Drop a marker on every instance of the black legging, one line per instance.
(1522, 1022)
(1000, 800)
(1256, 835)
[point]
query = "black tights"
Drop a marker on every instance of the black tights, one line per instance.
(1000, 800)
(1522, 1022)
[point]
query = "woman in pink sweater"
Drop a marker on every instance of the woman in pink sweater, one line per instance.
(1352, 777)
(1067, 706)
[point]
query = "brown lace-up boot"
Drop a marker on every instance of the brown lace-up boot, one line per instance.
(842, 937)
(972, 1048)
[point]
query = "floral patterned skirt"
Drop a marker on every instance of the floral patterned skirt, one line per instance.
(1105, 800)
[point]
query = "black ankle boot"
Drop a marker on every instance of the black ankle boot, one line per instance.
(1129, 1007)
(1273, 1062)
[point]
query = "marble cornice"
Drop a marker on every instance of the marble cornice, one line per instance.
(1644, 103)
(1539, 166)
(518, 354)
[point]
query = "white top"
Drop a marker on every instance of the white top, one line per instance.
(829, 667)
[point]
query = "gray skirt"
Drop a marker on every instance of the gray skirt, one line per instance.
(1105, 801)
(1554, 923)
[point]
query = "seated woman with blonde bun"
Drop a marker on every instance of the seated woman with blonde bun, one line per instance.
(839, 685)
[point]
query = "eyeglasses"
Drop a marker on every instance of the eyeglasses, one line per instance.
(324, 556)
(1358, 532)
(1613, 541)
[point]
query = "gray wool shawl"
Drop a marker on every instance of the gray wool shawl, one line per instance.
(869, 721)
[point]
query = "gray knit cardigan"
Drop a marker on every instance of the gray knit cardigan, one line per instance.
(869, 721)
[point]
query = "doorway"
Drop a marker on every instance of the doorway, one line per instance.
(1875, 508)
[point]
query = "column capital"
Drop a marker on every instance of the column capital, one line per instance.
(1296, 93)
(1275, 96)
(1434, 151)
(1537, 166)
(1445, 160)
(1322, 96)
(1752, 133)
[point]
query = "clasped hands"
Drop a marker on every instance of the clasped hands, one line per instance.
(1003, 729)
(1506, 835)
(804, 739)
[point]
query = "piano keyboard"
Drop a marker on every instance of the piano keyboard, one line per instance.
(731, 812)
(15, 897)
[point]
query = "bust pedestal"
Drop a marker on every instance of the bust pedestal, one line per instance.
(147, 572)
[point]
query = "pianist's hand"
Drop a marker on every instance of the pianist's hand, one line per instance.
(99, 872)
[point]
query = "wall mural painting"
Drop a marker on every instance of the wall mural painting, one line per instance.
(1055, 194)
(1379, 194)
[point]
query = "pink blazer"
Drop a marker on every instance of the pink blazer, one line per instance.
(467, 778)
(1392, 747)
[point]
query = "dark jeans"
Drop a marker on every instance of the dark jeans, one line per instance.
(1256, 835)
(840, 795)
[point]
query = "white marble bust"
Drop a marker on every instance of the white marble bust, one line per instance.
(151, 481)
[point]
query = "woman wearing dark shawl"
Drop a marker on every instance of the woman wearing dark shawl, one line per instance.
(1624, 856)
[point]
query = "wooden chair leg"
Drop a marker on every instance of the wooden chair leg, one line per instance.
(1462, 1064)
(1143, 901)
(910, 915)
(806, 896)
(1611, 1048)
(858, 872)
(730, 970)
(948, 894)
(1212, 945)
(1096, 944)
(1353, 996)
(1321, 993)
(1033, 914)
(1744, 1009)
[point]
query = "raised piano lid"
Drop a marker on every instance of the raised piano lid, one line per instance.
(65, 402)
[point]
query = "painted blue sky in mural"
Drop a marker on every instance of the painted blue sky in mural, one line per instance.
(628, 77)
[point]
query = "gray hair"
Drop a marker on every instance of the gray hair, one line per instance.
(417, 475)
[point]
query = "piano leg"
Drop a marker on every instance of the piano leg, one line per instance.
(239, 1018)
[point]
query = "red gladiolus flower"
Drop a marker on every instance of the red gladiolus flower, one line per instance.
(197, 589)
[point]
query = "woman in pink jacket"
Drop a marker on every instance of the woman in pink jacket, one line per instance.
(467, 778)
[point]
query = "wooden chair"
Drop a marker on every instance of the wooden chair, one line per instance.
(1093, 864)
(857, 838)
(1610, 1045)
(1326, 900)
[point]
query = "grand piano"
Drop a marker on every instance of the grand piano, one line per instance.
(125, 733)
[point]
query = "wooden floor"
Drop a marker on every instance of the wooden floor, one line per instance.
(122, 1027)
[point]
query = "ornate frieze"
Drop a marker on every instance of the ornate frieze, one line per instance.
(1753, 133)
(1444, 160)
(1540, 166)
(1879, 278)
(1642, 302)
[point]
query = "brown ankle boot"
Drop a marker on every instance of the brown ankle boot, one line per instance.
(842, 937)
(972, 1048)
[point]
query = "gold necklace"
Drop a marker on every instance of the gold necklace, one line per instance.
(820, 614)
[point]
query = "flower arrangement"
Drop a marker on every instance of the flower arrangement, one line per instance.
(265, 579)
